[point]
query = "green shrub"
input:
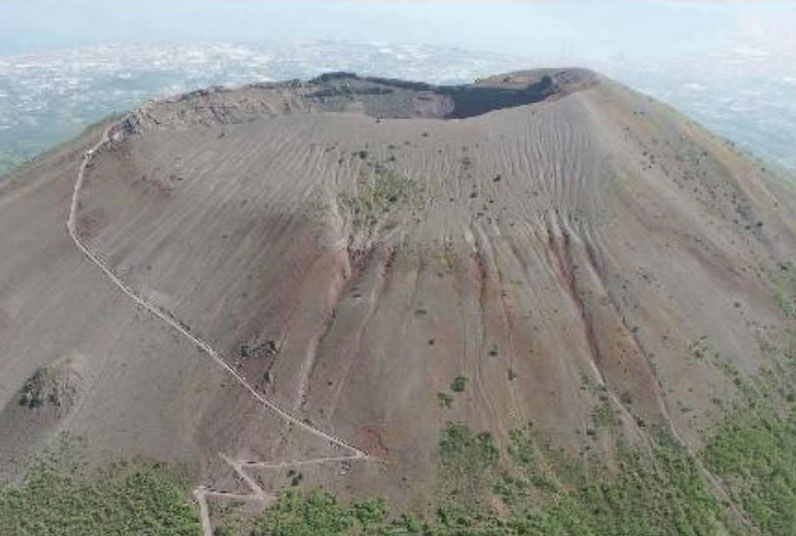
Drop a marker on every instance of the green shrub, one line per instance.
(60, 497)
(312, 514)
(467, 463)
(445, 400)
(459, 384)
(754, 452)
(377, 198)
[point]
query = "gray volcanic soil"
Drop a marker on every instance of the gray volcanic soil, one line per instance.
(351, 245)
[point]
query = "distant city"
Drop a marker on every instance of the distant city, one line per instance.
(745, 95)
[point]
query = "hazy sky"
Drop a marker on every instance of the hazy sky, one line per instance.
(572, 29)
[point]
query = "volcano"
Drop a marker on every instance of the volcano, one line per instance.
(332, 271)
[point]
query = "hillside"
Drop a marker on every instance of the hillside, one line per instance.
(347, 271)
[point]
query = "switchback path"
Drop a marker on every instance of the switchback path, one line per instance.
(201, 493)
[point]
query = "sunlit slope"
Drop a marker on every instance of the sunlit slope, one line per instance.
(379, 265)
(552, 254)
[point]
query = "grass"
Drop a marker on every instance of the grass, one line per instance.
(604, 416)
(754, 452)
(753, 449)
(545, 492)
(661, 493)
(317, 513)
(60, 496)
(467, 463)
(378, 198)
(529, 487)
(299, 515)
(700, 349)
(785, 290)
(652, 495)
(658, 492)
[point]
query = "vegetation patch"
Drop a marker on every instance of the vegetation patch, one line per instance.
(785, 290)
(316, 513)
(700, 349)
(604, 416)
(56, 384)
(753, 450)
(377, 198)
(468, 462)
(545, 492)
(459, 384)
(445, 400)
(529, 488)
(60, 496)
(754, 453)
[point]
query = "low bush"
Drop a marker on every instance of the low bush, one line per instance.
(61, 497)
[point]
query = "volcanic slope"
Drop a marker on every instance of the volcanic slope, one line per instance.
(379, 258)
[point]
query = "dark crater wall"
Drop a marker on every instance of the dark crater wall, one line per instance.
(388, 97)
(469, 101)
